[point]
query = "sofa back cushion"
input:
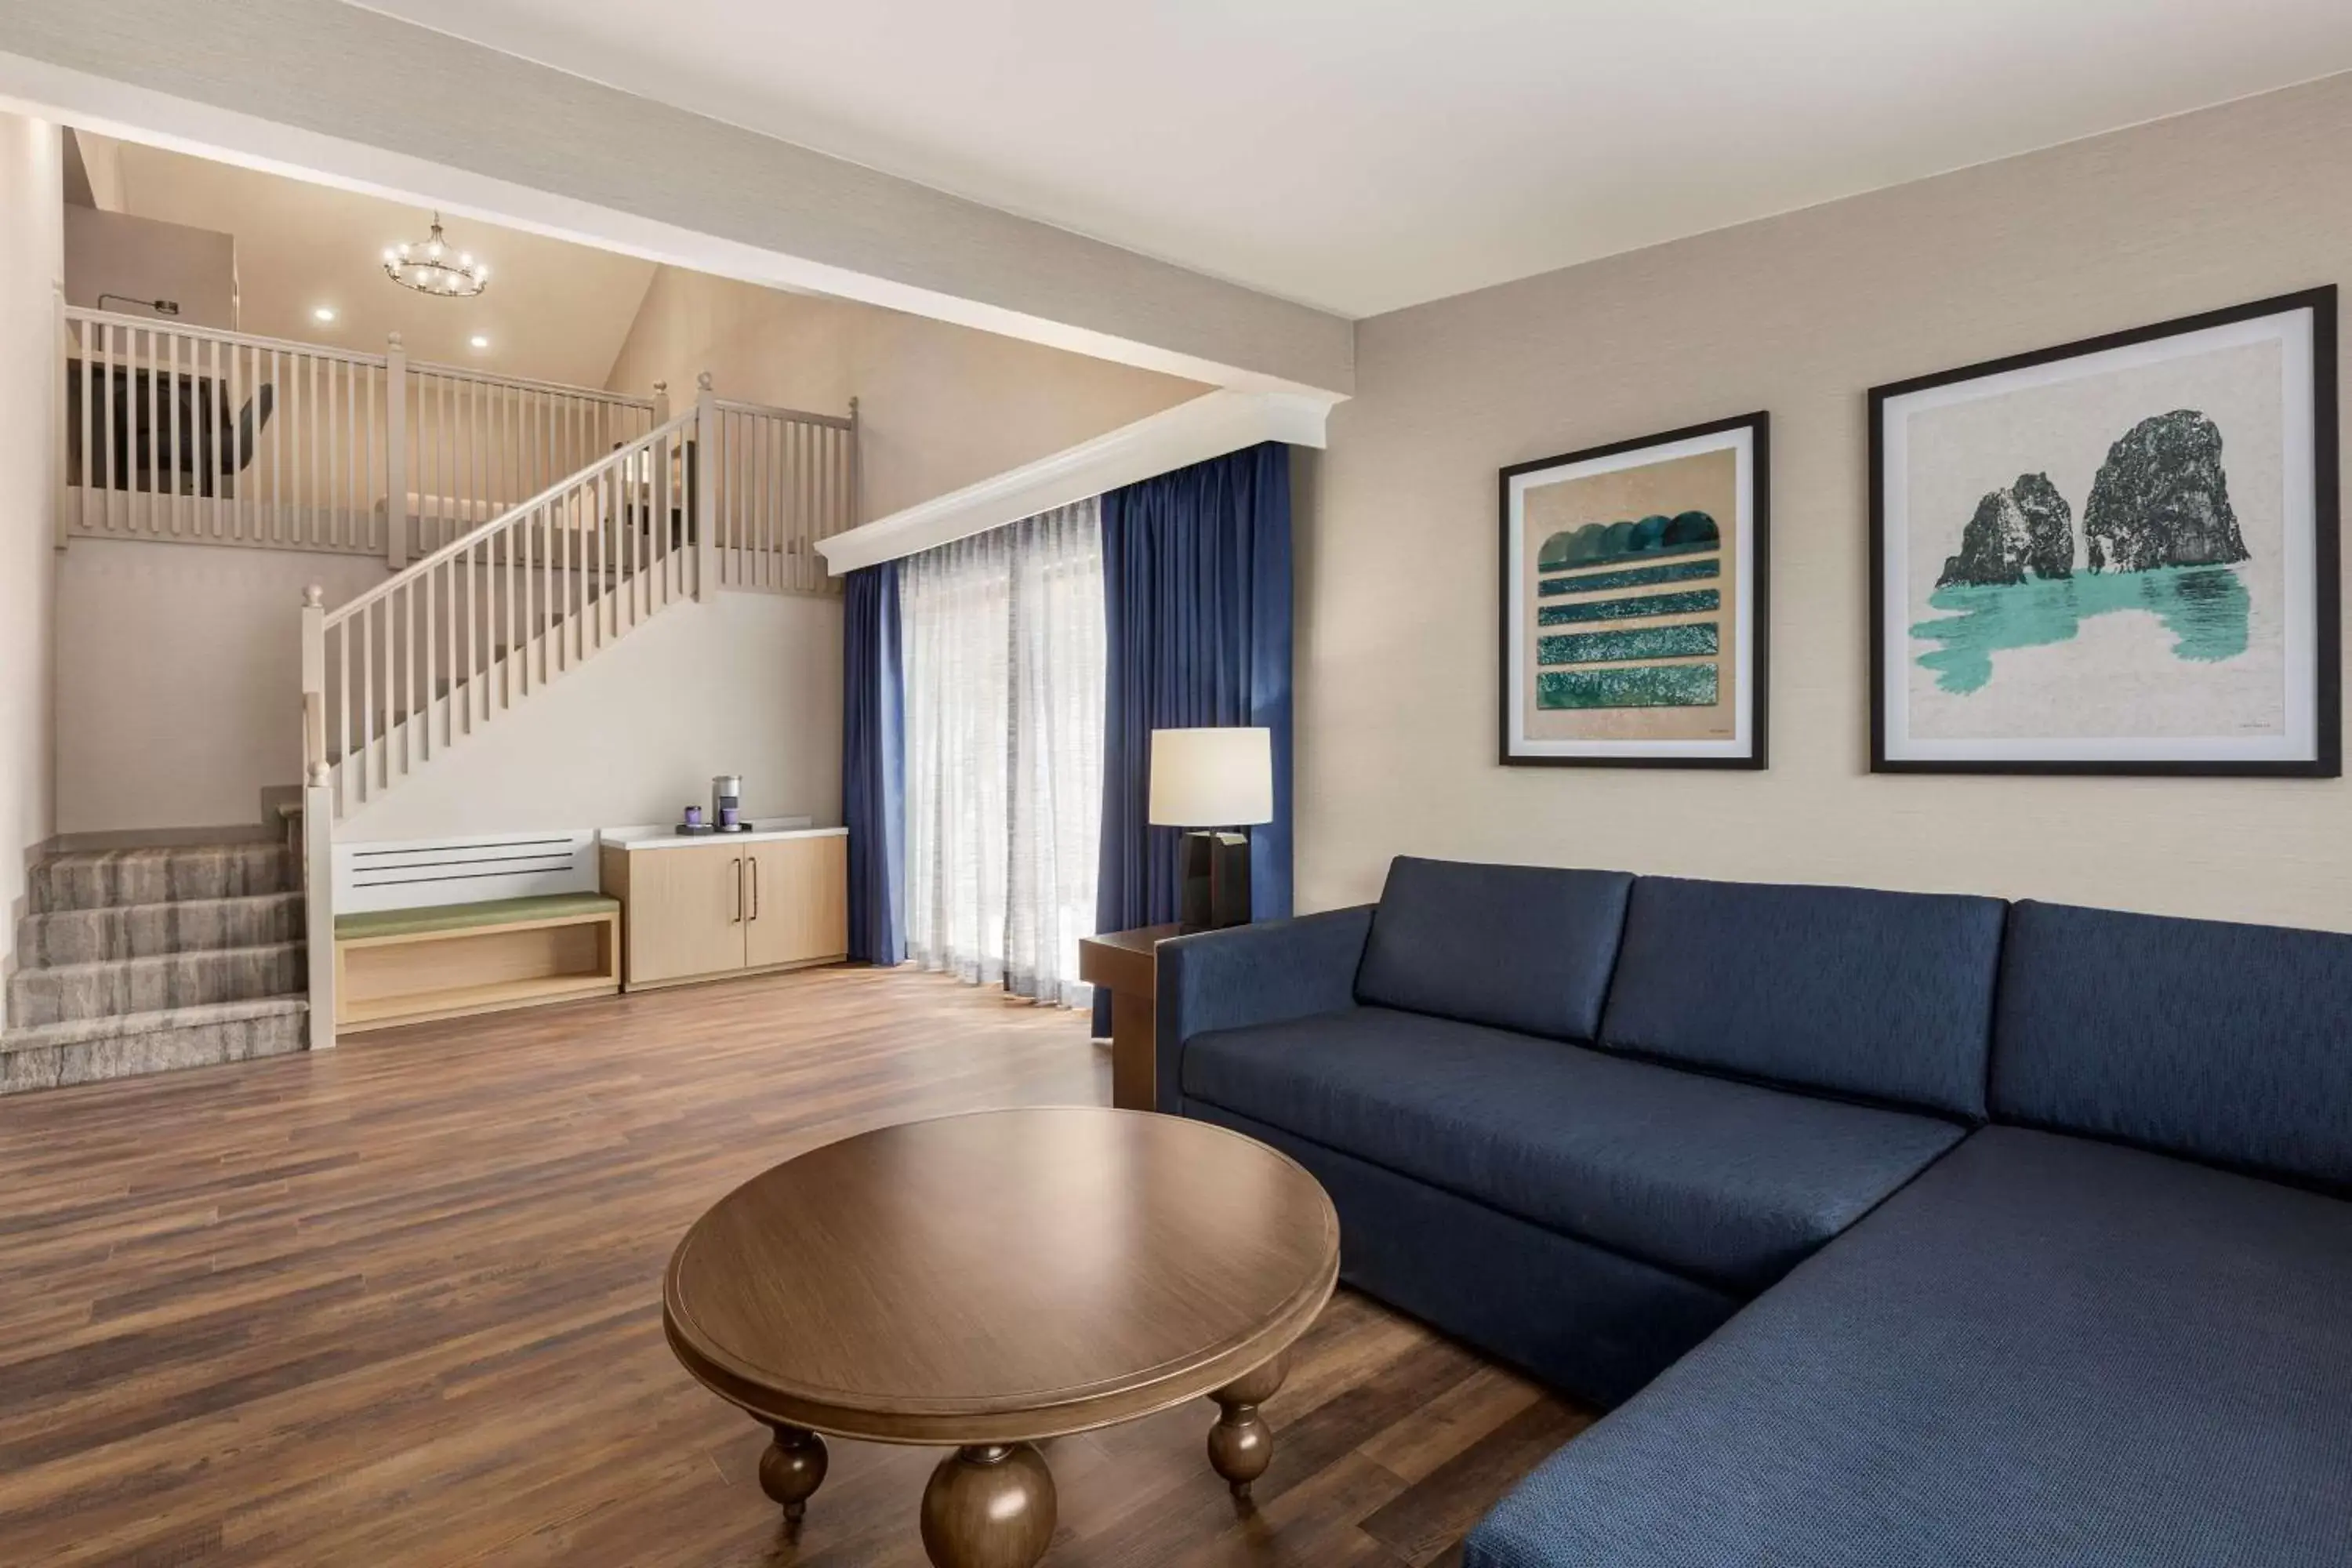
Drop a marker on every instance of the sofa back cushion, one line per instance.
(1882, 996)
(1516, 947)
(2227, 1043)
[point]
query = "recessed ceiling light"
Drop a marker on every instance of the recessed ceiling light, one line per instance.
(323, 314)
(478, 341)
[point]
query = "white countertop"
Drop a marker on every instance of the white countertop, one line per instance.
(762, 829)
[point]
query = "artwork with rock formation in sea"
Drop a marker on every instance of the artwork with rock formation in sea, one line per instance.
(1633, 602)
(2158, 512)
(2104, 556)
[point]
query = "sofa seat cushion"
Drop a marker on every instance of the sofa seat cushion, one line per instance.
(1724, 1183)
(2044, 1350)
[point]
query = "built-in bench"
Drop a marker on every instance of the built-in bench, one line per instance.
(403, 966)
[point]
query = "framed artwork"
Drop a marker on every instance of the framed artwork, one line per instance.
(1635, 602)
(2117, 556)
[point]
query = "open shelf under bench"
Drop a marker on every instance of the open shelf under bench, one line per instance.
(403, 966)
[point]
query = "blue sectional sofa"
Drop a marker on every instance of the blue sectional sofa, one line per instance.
(1895, 1228)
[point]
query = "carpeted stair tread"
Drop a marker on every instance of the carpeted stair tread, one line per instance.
(138, 961)
(51, 1056)
(153, 930)
(100, 878)
(113, 1026)
(72, 990)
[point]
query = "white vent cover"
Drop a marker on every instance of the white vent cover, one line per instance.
(472, 870)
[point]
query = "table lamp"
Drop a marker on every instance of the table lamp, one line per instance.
(1213, 782)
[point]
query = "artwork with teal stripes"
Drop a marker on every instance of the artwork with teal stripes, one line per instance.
(1630, 633)
(1630, 643)
(1641, 686)
(2105, 559)
(1626, 609)
(1640, 577)
(1629, 539)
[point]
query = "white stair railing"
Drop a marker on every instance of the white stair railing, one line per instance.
(187, 434)
(425, 660)
(478, 445)
(728, 494)
(785, 479)
(211, 438)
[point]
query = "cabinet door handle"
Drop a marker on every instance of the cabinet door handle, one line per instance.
(738, 892)
(753, 861)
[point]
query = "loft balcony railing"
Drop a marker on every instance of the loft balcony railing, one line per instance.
(191, 435)
(188, 434)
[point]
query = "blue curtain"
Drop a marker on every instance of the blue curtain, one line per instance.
(1196, 602)
(873, 764)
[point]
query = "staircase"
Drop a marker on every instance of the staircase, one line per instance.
(724, 496)
(526, 526)
(132, 960)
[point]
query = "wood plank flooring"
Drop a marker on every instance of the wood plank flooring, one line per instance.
(398, 1303)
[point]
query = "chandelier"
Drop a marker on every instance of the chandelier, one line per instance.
(432, 268)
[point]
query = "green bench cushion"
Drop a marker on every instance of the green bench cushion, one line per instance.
(469, 917)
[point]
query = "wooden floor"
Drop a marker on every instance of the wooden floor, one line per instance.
(398, 1303)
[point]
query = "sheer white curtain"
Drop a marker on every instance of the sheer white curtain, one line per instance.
(1005, 661)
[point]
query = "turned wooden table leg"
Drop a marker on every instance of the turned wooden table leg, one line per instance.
(1241, 1445)
(792, 1469)
(988, 1506)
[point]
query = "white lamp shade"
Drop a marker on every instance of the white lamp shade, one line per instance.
(1211, 778)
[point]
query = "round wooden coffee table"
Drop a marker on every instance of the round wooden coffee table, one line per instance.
(991, 1279)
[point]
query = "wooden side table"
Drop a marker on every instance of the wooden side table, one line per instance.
(1127, 963)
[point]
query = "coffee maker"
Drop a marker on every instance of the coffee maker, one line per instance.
(727, 803)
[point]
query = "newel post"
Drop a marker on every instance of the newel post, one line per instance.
(319, 900)
(661, 404)
(395, 454)
(857, 468)
(318, 820)
(314, 678)
(706, 487)
(67, 364)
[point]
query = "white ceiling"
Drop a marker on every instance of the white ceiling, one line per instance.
(553, 310)
(1367, 155)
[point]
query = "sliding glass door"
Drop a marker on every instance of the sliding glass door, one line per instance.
(1005, 661)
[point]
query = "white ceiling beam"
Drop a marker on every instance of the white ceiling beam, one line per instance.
(327, 91)
(1207, 427)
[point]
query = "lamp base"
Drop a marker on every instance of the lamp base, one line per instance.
(1216, 881)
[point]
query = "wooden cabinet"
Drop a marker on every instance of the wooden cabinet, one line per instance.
(704, 911)
(799, 892)
(682, 910)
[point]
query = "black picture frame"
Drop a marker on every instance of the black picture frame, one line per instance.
(2325, 587)
(1758, 587)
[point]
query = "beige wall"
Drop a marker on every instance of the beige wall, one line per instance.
(186, 723)
(31, 252)
(179, 679)
(940, 405)
(146, 258)
(1798, 315)
(747, 683)
(100, 161)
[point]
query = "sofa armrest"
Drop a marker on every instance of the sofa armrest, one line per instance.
(1265, 973)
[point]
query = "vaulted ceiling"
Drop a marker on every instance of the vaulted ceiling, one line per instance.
(1365, 154)
(553, 311)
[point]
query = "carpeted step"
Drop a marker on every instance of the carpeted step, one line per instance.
(169, 981)
(101, 879)
(51, 1056)
(151, 930)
